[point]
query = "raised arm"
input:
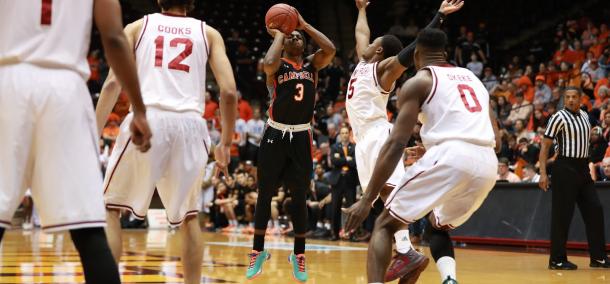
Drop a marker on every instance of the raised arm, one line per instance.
(327, 50)
(391, 68)
(272, 61)
(112, 88)
(107, 14)
(363, 33)
(412, 95)
(221, 67)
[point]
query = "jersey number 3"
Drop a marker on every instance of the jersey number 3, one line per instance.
(462, 88)
(176, 62)
(300, 89)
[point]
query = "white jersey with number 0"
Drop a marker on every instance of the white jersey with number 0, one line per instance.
(50, 34)
(171, 56)
(457, 108)
(366, 100)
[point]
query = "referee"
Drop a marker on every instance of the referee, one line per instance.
(572, 183)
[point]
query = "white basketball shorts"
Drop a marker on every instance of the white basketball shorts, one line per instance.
(367, 152)
(452, 179)
(174, 165)
(49, 143)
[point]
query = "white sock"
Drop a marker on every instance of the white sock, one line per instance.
(233, 222)
(375, 283)
(276, 224)
(327, 226)
(446, 267)
(403, 243)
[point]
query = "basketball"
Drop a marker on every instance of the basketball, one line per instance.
(282, 17)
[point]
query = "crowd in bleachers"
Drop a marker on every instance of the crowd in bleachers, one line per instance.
(525, 92)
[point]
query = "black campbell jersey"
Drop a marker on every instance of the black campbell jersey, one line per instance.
(293, 93)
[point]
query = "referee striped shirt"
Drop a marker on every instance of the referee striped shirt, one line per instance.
(570, 130)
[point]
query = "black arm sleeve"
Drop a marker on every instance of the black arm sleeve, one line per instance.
(405, 56)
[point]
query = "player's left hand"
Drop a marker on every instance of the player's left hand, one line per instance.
(222, 154)
(415, 152)
(302, 23)
(356, 215)
(451, 6)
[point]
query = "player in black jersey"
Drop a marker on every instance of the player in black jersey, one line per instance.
(284, 156)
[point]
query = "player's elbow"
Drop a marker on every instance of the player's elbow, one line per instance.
(330, 50)
(229, 95)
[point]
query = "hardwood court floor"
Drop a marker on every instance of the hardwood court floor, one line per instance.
(152, 256)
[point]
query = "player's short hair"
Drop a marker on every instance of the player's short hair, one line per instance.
(433, 39)
(189, 5)
(391, 45)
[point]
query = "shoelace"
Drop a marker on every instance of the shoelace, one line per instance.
(301, 263)
(253, 257)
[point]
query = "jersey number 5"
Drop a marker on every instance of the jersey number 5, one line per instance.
(477, 106)
(45, 12)
(176, 62)
(300, 89)
(350, 92)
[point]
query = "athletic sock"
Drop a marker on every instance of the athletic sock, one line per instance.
(299, 245)
(98, 264)
(259, 242)
(276, 224)
(403, 243)
(446, 267)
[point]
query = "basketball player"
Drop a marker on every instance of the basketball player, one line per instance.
(49, 140)
(381, 64)
(171, 53)
(456, 173)
(284, 156)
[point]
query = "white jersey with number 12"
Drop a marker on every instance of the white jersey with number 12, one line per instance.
(171, 55)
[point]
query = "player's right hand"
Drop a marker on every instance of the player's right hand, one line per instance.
(450, 6)
(543, 183)
(361, 4)
(140, 132)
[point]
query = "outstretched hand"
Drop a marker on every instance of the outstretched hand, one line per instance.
(361, 4)
(356, 215)
(451, 6)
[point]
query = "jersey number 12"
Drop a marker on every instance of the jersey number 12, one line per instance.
(176, 63)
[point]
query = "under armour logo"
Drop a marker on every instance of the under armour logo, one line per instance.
(269, 141)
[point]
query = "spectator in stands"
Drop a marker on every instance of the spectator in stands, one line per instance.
(604, 170)
(594, 70)
(603, 93)
(539, 119)
(527, 151)
(256, 127)
(543, 91)
(213, 132)
(465, 48)
(210, 105)
(226, 202)
(530, 175)
(504, 173)
(245, 70)
(112, 129)
(475, 65)
(320, 197)
(560, 54)
(334, 78)
(346, 176)
(241, 131)
(411, 30)
(522, 109)
(489, 79)
(243, 107)
(598, 145)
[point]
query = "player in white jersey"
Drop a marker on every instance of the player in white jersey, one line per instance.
(453, 177)
(49, 140)
(171, 51)
(382, 62)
